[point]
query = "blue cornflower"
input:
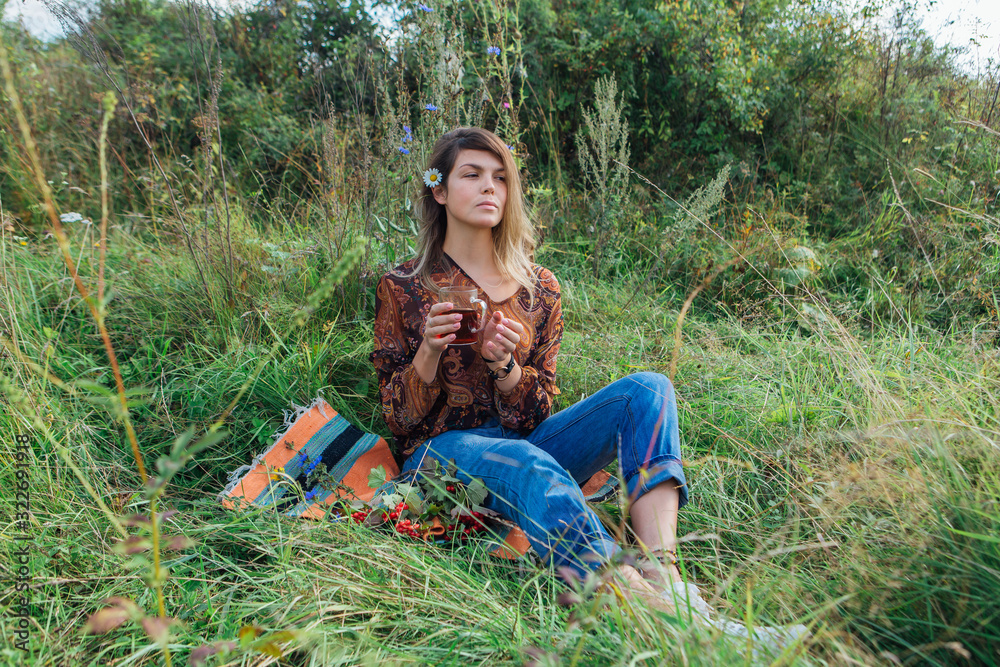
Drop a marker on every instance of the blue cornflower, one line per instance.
(511, 148)
(430, 107)
(310, 495)
(403, 151)
(424, 8)
(409, 136)
(492, 50)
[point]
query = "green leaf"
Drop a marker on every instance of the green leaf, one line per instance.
(476, 492)
(415, 500)
(794, 275)
(376, 477)
(391, 500)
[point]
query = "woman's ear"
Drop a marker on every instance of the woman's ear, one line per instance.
(440, 196)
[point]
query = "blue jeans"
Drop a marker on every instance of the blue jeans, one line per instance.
(534, 478)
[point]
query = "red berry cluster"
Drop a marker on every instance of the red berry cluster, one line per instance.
(404, 526)
(466, 525)
(463, 526)
(401, 526)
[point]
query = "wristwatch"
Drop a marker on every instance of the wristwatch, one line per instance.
(495, 374)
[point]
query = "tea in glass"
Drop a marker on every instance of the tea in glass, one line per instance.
(470, 307)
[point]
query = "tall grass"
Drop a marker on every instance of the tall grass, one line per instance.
(808, 503)
(844, 470)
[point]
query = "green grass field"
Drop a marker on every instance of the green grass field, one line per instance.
(842, 480)
(827, 307)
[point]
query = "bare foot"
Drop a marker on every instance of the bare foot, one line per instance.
(662, 575)
(629, 583)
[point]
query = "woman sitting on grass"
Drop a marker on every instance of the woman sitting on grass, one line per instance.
(487, 405)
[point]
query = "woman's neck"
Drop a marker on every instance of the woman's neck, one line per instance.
(472, 249)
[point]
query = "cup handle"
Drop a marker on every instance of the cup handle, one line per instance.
(482, 314)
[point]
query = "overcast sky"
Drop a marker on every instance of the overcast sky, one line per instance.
(974, 23)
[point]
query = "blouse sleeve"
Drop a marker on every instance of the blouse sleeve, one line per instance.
(406, 398)
(530, 401)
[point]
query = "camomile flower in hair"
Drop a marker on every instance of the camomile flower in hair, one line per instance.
(432, 178)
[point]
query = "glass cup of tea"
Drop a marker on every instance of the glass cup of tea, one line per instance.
(472, 309)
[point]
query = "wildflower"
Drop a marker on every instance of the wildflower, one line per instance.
(310, 495)
(492, 50)
(506, 105)
(424, 8)
(432, 178)
(70, 217)
(409, 136)
(403, 151)
(277, 473)
(511, 148)
(430, 107)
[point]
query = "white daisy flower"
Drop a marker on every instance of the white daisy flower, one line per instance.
(432, 177)
(70, 217)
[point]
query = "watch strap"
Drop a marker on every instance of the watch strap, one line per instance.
(495, 374)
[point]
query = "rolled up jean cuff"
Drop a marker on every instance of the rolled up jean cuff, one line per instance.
(658, 470)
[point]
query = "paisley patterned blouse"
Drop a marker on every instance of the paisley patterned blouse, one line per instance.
(462, 395)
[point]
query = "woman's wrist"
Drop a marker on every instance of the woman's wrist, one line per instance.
(497, 363)
(507, 383)
(425, 361)
(502, 369)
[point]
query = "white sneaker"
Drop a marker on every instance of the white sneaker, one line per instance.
(686, 597)
(767, 640)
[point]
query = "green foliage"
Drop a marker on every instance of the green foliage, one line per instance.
(838, 379)
(604, 154)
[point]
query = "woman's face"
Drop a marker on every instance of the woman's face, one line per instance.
(474, 194)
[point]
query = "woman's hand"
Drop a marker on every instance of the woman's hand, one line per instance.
(439, 330)
(440, 327)
(500, 337)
